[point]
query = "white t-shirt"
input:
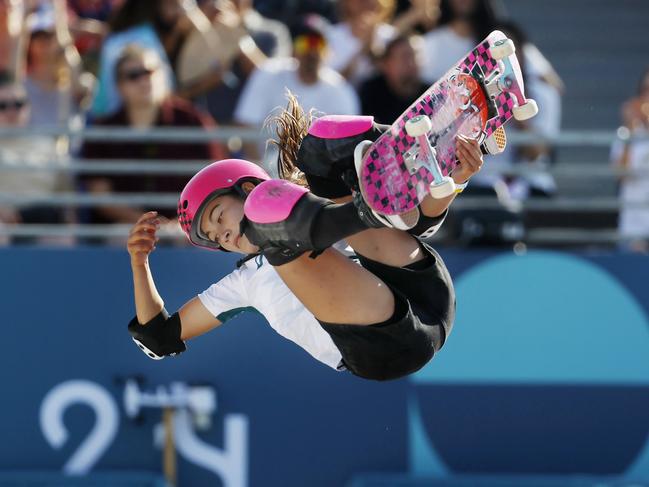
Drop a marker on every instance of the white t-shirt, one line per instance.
(257, 285)
(265, 92)
(442, 49)
(343, 46)
(35, 152)
(634, 191)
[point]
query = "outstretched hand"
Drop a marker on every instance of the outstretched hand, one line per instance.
(142, 237)
(470, 159)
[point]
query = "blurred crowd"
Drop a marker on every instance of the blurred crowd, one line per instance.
(631, 154)
(213, 63)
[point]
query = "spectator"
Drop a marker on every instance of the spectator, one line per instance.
(89, 25)
(632, 154)
(171, 20)
(416, 15)
(106, 100)
(286, 11)
(316, 86)
(183, 30)
(163, 25)
(57, 87)
(12, 16)
(31, 153)
(462, 24)
(390, 93)
(364, 28)
(244, 40)
(272, 37)
(199, 44)
(99, 10)
(146, 102)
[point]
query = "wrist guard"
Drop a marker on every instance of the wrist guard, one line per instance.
(428, 225)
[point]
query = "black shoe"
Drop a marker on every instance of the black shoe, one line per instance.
(402, 221)
(323, 161)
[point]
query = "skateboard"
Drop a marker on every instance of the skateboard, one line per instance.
(416, 155)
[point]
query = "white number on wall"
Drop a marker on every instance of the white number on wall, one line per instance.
(69, 393)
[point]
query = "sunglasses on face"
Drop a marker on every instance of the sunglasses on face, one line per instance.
(16, 104)
(136, 74)
(43, 34)
(308, 43)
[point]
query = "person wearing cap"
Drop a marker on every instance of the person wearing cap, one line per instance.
(57, 87)
(38, 154)
(316, 86)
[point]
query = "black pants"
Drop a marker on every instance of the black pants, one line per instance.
(407, 342)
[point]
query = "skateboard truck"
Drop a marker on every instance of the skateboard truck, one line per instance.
(504, 79)
(418, 128)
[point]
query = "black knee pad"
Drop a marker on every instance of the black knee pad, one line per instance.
(159, 337)
(327, 187)
(329, 158)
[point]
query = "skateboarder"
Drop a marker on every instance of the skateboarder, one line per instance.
(382, 319)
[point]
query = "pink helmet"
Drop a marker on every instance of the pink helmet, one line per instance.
(218, 178)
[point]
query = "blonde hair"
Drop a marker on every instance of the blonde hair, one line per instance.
(290, 126)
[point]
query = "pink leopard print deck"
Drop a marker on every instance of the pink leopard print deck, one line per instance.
(391, 182)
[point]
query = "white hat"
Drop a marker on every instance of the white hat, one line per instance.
(42, 20)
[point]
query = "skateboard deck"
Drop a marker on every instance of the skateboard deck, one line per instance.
(415, 156)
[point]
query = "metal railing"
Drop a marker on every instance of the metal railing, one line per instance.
(592, 138)
(77, 166)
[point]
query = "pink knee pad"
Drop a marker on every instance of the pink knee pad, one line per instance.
(272, 201)
(339, 126)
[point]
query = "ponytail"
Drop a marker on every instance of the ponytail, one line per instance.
(290, 126)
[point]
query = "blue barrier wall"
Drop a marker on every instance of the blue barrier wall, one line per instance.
(547, 371)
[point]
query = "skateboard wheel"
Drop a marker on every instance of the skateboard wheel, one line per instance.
(502, 49)
(526, 110)
(420, 125)
(442, 190)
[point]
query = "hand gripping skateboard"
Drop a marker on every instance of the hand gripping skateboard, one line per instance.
(416, 156)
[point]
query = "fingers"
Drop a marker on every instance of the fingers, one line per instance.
(142, 248)
(149, 221)
(147, 216)
(142, 237)
(468, 153)
(143, 241)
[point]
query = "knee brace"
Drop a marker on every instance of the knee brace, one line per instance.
(159, 337)
(279, 219)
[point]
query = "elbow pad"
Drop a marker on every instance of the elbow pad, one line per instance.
(159, 337)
